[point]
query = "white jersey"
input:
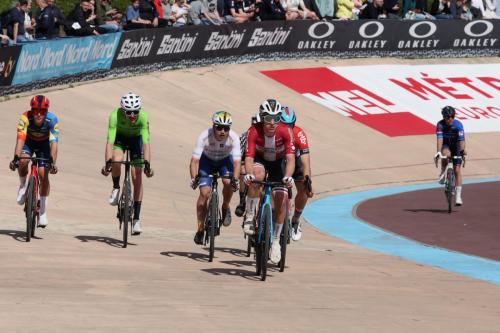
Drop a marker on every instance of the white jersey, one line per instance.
(216, 150)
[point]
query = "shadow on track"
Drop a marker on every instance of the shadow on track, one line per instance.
(424, 210)
(19, 236)
(250, 275)
(102, 239)
(190, 255)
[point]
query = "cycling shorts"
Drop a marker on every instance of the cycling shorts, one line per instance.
(454, 152)
(275, 169)
(134, 145)
(207, 166)
(41, 149)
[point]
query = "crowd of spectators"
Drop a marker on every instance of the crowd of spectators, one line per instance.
(22, 24)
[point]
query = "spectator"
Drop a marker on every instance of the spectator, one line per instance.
(107, 18)
(77, 20)
(212, 13)
(147, 11)
(29, 22)
(272, 10)
(133, 19)
(373, 10)
(392, 9)
(326, 8)
(440, 9)
(167, 10)
(15, 22)
(196, 13)
(180, 11)
(45, 21)
(477, 8)
(235, 12)
(347, 9)
(60, 18)
(296, 9)
(312, 6)
(418, 9)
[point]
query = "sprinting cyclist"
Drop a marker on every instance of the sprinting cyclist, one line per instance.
(217, 149)
(128, 129)
(37, 133)
(269, 146)
(302, 173)
(451, 142)
(240, 209)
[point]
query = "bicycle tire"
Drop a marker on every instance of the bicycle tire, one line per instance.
(449, 188)
(127, 213)
(213, 210)
(29, 206)
(258, 243)
(285, 231)
(249, 245)
(266, 242)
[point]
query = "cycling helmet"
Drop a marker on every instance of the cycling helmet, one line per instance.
(40, 102)
(288, 115)
(131, 102)
(222, 118)
(255, 119)
(270, 106)
(448, 112)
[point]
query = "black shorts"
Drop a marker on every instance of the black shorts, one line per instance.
(275, 169)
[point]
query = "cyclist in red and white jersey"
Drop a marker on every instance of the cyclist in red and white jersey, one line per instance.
(302, 173)
(269, 149)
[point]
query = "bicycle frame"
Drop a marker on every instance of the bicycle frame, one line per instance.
(125, 205)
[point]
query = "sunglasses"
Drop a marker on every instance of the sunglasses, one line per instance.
(131, 113)
(39, 112)
(222, 128)
(271, 118)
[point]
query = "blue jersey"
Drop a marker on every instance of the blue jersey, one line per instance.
(47, 131)
(451, 135)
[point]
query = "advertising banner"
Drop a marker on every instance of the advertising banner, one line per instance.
(8, 62)
(399, 100)
(47, 59)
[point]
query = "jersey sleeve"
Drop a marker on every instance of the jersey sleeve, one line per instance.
(236, 152)
(461, 132)
(22, 127)
(54, 129)
(439, 130)
(200, 144)
(288, 141)
(113, 119)
(251, 141)
(301, 142)
(145, 128)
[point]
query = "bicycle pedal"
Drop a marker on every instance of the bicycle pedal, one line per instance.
(41, 226)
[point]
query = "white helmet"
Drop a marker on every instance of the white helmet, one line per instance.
(271, 107)
(222, 118)
(131, 102)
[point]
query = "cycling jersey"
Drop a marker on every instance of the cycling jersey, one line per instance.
(270, 148)
(217, 150)
(451, 135)
(47, 131)
(119, 124)
(300, 141)
(243, 143)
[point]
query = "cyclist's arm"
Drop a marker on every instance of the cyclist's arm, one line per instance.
(145, 138)
(236, 154)
(302, 144)
(54, 138)
(439, 136)
(249, 165)
(306, 164)
(250, 150)
(22, 130)
(194, 166)
(290, 165)
(197, 151)
(111, 136)
(290, 152)
(461, 138)
(147, 152)
(53, 151)
(439, 146)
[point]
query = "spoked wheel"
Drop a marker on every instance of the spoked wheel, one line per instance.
(126, 216)
(30, 209)
(265, 243)
(285, 233)
(213, 224)
(249, 245)
(450, 184)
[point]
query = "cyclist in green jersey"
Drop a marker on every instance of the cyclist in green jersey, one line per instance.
(128, 129)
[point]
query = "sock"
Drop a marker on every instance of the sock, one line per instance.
(277, 230)
(296, 216)
(251, 207)
(22, 181)
(43, 204)
(242, 197)
(458, 191)
(137, 209)
(116, 182)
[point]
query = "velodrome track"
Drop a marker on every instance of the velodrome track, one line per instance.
(77, 278)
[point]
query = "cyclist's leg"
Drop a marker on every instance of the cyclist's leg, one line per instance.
(253, 197)
(22, 171)
(278, 197)
(457, 166)
(226, 168)
(206, 166)
(118, 148)
(43, 173)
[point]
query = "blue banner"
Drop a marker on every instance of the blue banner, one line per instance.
(47, 59)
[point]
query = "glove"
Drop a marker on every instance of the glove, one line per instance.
(14, 163)
(107, 168)
(235, 183)
(248, 179)
(53, 169)
(147, 169)
(438, 155)
(288, 181)
(194, 182)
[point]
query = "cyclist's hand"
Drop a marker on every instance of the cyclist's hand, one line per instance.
(107, 168)
(53, 169)
(14, 164)
(235, 183)
(437, 157)
(194, 182)
(463, 152)
(248, 179)
(147, 169)
(288, 181)
(308, 185)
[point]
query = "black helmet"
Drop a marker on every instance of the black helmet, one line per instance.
(448, 112)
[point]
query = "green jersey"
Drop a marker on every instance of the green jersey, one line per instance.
(119, 124)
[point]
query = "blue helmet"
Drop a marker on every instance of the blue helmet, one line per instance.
(448, 112)
(288, 115)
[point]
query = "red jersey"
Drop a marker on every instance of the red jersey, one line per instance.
(270, 148)
(300, 141)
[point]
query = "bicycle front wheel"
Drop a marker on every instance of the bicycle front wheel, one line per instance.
(30, 207)
(285, 233)
(213, 220)
(450, 187)
(127, 213)
(266, 242)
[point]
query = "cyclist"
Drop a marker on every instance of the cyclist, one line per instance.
(269, 145)
(217, 149)
(240, 209)
(37, 133)
(128, 129)
(451, 142)
(302, 173)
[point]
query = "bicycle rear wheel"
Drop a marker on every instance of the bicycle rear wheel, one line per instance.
(30, 208)
(266, 242)
(127, 213)
(450, 184)
(213, 219)
(285, 232)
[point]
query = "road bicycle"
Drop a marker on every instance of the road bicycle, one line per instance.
(449, 177)
(125, 211)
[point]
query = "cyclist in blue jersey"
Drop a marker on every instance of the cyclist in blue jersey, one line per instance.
(451, 142)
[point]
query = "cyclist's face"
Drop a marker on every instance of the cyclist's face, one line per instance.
(221, 132)
(449, 120)
(132, 115)
(39, 116)
(269, 127)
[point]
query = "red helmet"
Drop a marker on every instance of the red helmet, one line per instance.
(40, 102)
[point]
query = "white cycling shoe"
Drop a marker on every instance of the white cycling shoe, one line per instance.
(137, 228)
(458, 201)
(21, 195)
(296, 231)
(248, 228)
(113, 198)
(275, 252)
(42, 221)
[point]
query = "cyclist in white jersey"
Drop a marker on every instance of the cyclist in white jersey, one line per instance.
(217, 149)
